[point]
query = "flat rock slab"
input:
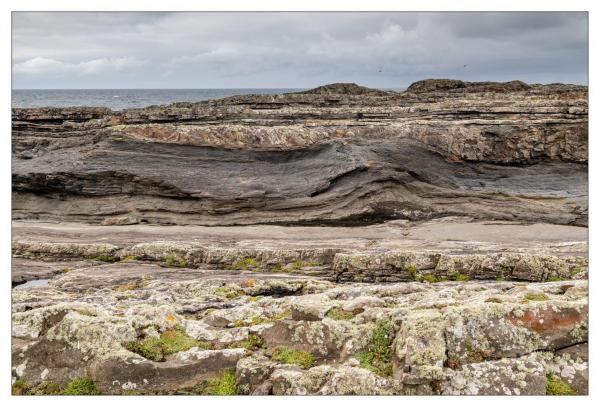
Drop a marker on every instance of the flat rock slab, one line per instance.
(452, 234)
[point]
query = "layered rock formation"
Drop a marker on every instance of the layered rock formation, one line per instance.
(338, 154)
(342, 240)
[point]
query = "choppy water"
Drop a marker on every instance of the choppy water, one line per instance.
(118, 99)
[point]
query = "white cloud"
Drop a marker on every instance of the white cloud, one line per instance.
(37, 65)
(41, 65)
(277, 49)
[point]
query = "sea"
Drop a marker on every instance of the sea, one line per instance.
(119, 99)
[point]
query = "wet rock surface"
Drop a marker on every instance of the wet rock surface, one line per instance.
(338, 241)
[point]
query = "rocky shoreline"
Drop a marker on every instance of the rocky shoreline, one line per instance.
(342, 240)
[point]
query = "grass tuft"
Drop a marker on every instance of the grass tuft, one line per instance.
(413, 270)
(81, 386)
(378, 358)
(170, 342)
(222, 385)
(175, 260)
(338, 313)
(301, 358)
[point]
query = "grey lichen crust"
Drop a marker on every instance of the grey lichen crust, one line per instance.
(277, 333)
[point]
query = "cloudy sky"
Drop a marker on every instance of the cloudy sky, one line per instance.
(247, 50)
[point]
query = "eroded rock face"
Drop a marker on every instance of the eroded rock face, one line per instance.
(491, 151)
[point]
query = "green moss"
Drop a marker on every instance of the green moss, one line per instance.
(222, 385)
(106, 258)
(253, 342)
(378, 357)
(299, 264)
(558, 387)
(245, 264)
(256, 320)
(428, 278)
(500, 278)
(81, 386)
(556, 278)
(21, 388)
(413, 270)
(494, 300)
(462, 277)
(338, 314)
(48, 387)
(131, 258)
(576, 270)
(301, 358)
(170, 342)
(279, 268)
(132, 285)
(130, 393)
(228, 292)
(175, 260)
(535, 297)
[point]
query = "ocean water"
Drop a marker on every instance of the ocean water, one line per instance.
(119, 99)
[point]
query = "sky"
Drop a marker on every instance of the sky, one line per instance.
(74, 50)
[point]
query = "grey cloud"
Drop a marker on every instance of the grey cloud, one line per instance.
(389, 50)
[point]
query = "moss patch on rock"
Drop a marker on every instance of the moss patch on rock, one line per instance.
(81, 386)
(170, 342)
(558, 387)
(22, 387)
(245, 264)
(222, 385)
(175, 260)
(301, 358)
(378, 358)
(228, 292)
(535, 297)
(338, 313)
(106, 258)
(253, 342)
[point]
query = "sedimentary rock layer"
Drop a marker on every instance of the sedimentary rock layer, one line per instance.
(379, 253)
(339, 154)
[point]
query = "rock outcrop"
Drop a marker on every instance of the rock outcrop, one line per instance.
(337, 241)
(284, 334)
(339, 154)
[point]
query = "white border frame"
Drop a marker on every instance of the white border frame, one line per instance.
(285, 5)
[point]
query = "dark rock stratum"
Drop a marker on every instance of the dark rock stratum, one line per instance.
(338, 154)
